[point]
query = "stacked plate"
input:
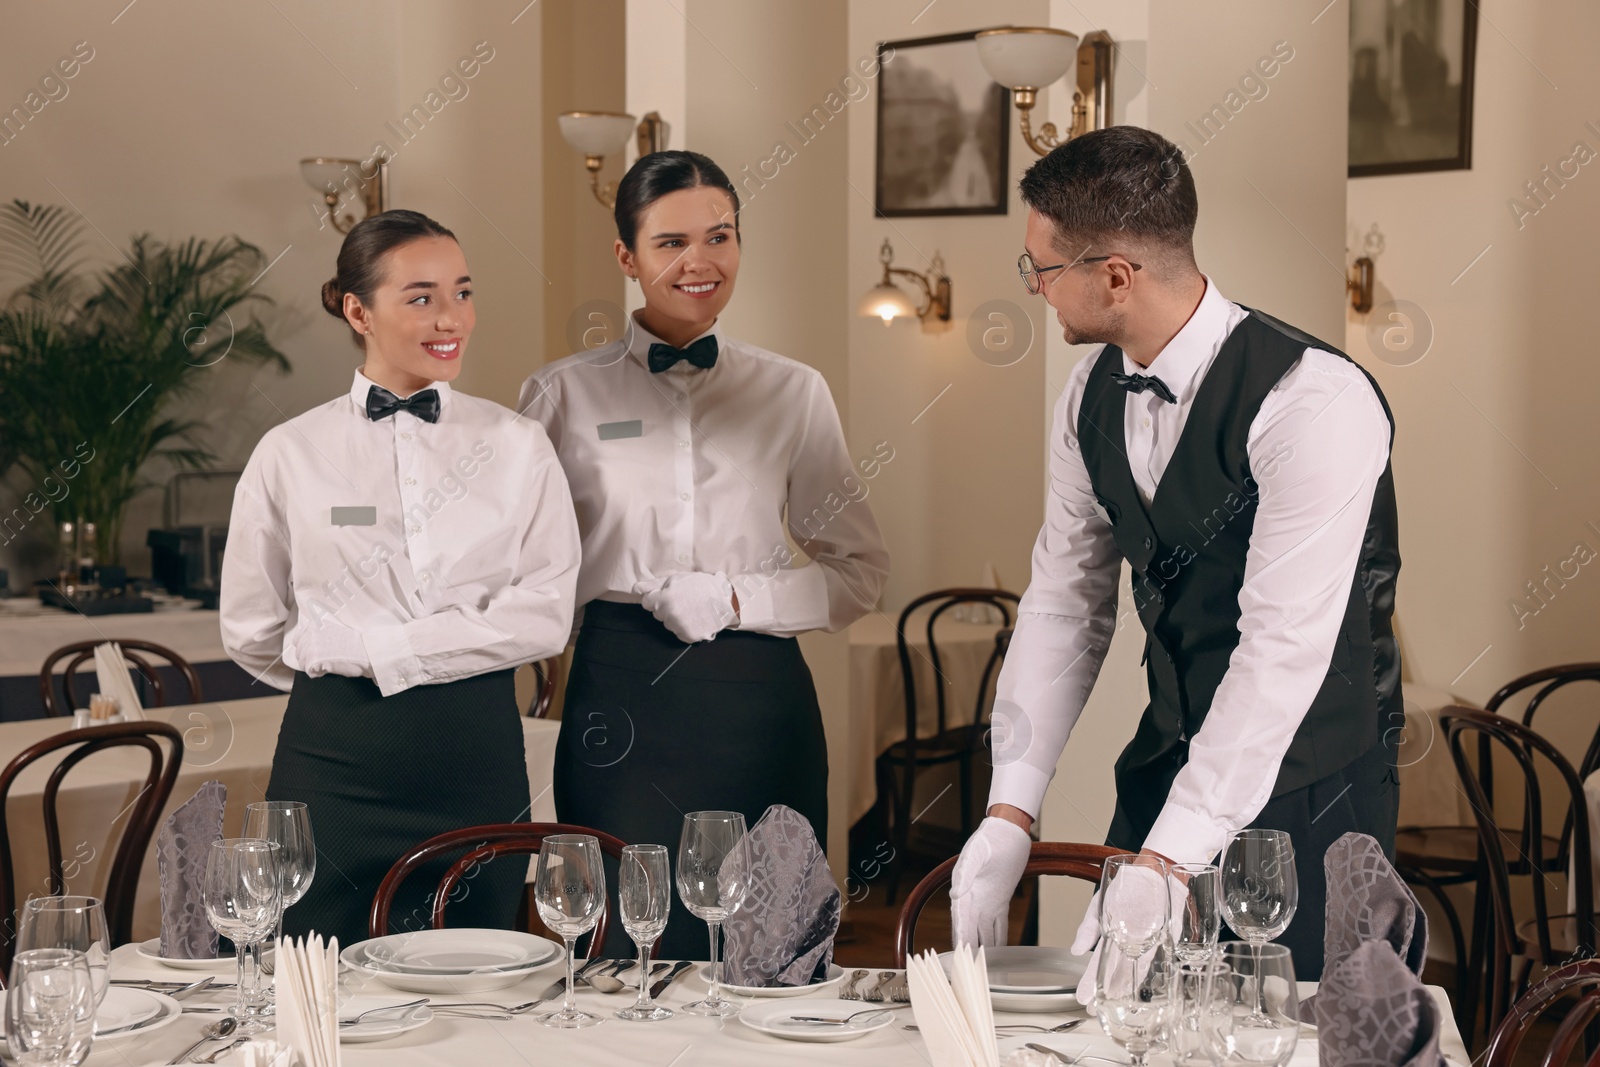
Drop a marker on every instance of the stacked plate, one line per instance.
(130, 1012)
(452, 961)
(1024, 978)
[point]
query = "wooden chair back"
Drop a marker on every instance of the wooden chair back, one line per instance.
(943, 600)
(1581, 978)
(83, 652)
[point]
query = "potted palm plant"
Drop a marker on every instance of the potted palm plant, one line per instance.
(96, 367)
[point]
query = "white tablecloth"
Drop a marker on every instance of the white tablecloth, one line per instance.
(682, 1041)
(25, 642)
(231, 741)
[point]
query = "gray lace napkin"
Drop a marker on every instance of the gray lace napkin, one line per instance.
(182, 848)
(782, 935)
(1373, 1012)
(1367, 900)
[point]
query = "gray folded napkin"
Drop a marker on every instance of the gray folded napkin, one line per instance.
(183, 846)
(1367, 900)
(782, 935)
(1373, 1012)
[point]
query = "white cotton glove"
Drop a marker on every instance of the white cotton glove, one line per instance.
(1141, 900)
(694, 606)
(983, 880)
(331, 647)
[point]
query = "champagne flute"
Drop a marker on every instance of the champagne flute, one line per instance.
(50, 1006)
(713, 877)
(1137, 986)
(570, 892)
(1260, 889)
(243, 894)
(1261, 998)
(288, 824)
(644, 896)
(77, 923)
(1196, 937)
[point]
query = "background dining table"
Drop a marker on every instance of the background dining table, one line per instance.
(229, 741)
(681, 1041)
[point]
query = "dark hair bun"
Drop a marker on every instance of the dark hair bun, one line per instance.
(333, 299)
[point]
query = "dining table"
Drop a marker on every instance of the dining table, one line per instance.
(680, 1041)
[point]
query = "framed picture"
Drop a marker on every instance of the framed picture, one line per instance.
(1411, 85)
(943, 129)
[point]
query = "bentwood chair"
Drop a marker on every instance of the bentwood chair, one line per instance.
(546, 677)
(1045, 857)
(1580, 980)
(141, 816)
(948, 742)
(82, 652)
(481, 844)
(1553, 935)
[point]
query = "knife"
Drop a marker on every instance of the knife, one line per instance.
(660, 987)
(559, 986)
(1052, 1053)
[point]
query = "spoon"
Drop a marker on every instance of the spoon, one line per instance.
(216, 1031)
(609, 982)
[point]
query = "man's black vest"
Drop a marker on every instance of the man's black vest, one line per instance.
(1187, 550)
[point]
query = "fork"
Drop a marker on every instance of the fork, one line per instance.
(845, 1021)
(849, 991)
(502, 1009)
(874, 993)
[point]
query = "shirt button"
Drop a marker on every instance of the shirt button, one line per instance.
(683, 444)
(683, 496)
(405, 437)
(1147, 423)
(411, 481)
(416, 529)
(427, 577)
(683, 557)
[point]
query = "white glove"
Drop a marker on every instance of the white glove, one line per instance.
(1141, 900)
(983, 880)
(694, 606)
(331, 647)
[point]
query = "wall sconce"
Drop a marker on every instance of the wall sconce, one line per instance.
(887, 300)
(1362, 277)
(333, 178)
(1026, 59)
(598, 134)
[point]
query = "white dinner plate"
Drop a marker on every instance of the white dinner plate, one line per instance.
(1029, 970)
(123, 1008)
(379, 1027)
(774, 1019)
(473, 981)
(458, 951)
(151, 950)
(168, 1011)
(835, 972)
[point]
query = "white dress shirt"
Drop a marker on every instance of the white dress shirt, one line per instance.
(1317, 447)
(713, 470)
(449, 546)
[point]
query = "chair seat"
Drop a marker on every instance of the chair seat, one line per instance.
(935, 748)
(1563, 938)
(1455, 848)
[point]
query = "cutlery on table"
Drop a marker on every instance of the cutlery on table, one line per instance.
(849, 992)
(603, 982)
(559, 986)
(215, 1032)
(877, 993)
(900, 992)
(1061, 1028)
(482, 1010)
(841, 1021)
(223, 1051)
(406, 1009)
(175, 990)
(671, 976)
(1062, 1057)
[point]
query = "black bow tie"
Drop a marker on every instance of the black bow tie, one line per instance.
(701, 353)
(381, 404)
(1138, 383)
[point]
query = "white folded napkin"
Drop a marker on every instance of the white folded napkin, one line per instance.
(112, 670)
(954, 1014)
(264, 1053)
(308, 999)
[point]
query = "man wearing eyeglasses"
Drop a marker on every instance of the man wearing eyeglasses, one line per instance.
(1241, 467)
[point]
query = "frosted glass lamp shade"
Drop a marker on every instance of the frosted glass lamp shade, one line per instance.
(331, 175)
(886, 301)
(1027, 57)
(596, 133)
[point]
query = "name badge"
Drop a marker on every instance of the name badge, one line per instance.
(355, 516)
(611, 431)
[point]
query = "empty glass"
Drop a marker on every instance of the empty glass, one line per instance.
(1203, 1020)
(78, 923)
(1135, 901)
(713, 877)
(288, 824)
(1195, 937)
(50, 1006)
(569, 890)
(644, 896)
(1137, 995)
(243, 894)
(1260, 890)
(1259, 996)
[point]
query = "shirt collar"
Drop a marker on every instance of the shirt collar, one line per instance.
(1179, 364)
(640, 339)
(362, 385)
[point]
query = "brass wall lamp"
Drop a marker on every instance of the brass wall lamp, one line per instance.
(333, 178)
(888, 301)
(1026, 59)
(598, 134)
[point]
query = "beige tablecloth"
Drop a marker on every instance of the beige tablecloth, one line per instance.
(877, 692)
(194, 635)
(231, 741)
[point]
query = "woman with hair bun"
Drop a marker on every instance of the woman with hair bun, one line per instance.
(394, 555)
(695, 459)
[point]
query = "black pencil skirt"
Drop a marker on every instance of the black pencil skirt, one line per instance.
(381, 774)
(654, 728)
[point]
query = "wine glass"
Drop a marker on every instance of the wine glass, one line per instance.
(77, 923)
(570, 891)
(1203, 1021)
(50, 1006)
(243, 894)
(713, 877)
(1135, 901)
(1137, 994)
(1260, 997)
(288, 824)
(644, 896)
(1196, 938)
(1260, 889)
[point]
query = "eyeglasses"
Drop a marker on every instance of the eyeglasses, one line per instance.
(1031, 271)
